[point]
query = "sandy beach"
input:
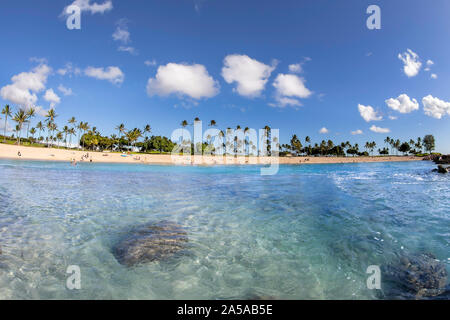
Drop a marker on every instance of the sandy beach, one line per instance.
(53, 154)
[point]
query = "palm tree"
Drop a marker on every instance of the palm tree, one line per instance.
(267, 134)
(85, 127)
(50, 118)
(31, 113)
(114, 139)
(51, 115)
(40, 126)
(20, 117)
(122, 130)
(7, 112)
(53, 127)
(32, 132)
(133, 136)
(71, 133)
(184, 124)
(387, 141)
(59, 137)
(80, 129)
(66, 131)
(72, 121)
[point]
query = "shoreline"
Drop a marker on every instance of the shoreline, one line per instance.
(63, 155)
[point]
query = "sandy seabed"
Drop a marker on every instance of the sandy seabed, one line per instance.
(54, 154)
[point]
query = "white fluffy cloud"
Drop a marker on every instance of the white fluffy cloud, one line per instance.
(295, 68)
(356, 132)
(411, 63)
(323, 130)
(112, 74)
(25, 85)
(52, 97)
(434, 76)
(435, 107)
(65, 91)
(250, 75)
(403, 104)
(193, 81)
(379, 130)
(289, 87)
(94, 7)
(368, 113)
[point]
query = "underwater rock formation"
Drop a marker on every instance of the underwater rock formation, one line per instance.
(150, 242)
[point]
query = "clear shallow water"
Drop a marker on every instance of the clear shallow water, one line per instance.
(309, 232)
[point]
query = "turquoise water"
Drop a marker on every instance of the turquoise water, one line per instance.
(308, 232)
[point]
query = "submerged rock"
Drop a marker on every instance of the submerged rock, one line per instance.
(417, 277)
(149, 243)
(442, 169)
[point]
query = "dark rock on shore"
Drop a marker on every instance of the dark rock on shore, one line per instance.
(445, 159)
(150, 242)
(416, 277)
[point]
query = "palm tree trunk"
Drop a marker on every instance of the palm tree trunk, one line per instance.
(4, 136)
(28, 128)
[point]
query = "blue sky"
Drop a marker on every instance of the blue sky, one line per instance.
(299, 66)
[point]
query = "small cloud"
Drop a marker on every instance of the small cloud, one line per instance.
(285, 101)
(434, 76)
(249, 74)
(150, 63)
(39, 60)
(52, 97)
(403, 104)
(393, 118)
(69, 70)
(192, 81)
(65, 91)
(93, 8)
(130, 50)
(323, 130)
(430, 63)
(122, 34)
(111, 74)
(369, 54)
(411, 63)
(295, 68)
(379, 130)
(289, 88)
(356, 132)
(368, 113)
